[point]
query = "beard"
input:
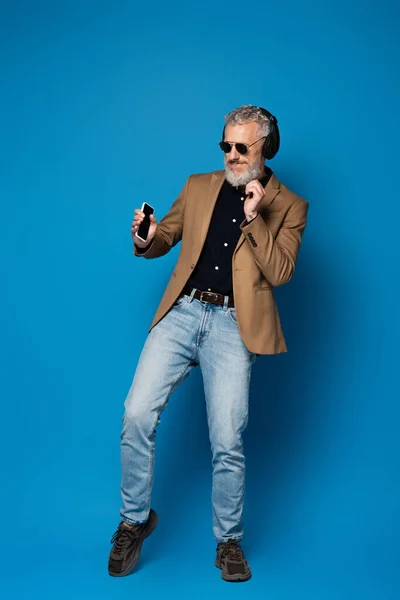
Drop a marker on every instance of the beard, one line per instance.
(253, 171)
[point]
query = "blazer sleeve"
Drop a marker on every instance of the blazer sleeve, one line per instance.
(169, 229)
(276, 258)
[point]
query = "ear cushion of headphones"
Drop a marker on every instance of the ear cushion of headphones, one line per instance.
(272, 141)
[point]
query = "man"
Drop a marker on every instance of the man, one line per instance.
(241, 231)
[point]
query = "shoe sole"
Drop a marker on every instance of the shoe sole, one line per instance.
(232, 578)
(150, 527)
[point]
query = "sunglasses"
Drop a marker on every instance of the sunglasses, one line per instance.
(226, 147)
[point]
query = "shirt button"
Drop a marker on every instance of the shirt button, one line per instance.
(225, 244)
(234, 220)
(209, 289)
(216, 268)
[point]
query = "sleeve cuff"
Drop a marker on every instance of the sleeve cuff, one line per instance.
(246, 222)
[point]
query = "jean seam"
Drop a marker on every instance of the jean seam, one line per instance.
(149, 486)
(152, 449)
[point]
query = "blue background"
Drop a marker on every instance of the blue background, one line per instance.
(107, 104)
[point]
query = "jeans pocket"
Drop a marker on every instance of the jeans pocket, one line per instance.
(231, 312)
(179, 301)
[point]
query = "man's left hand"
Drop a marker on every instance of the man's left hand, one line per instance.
(250, 204)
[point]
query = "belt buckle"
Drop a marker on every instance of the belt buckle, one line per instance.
(209, 293)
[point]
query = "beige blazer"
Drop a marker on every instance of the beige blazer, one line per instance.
(264, 257)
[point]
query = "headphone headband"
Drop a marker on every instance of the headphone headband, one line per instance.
(269, 115)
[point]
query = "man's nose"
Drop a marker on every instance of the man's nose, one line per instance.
(233, 154)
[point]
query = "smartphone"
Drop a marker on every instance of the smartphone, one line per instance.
(143, 229)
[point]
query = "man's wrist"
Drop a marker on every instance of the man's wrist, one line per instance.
(142, 249)
(251, 215)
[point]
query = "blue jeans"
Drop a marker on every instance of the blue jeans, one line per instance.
(192, 333)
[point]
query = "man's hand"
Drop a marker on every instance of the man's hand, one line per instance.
(255, 188)
(135, 225)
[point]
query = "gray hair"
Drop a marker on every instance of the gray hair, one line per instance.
(249, 113)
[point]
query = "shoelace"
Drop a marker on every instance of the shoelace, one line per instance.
(231, 550)
(122, 537)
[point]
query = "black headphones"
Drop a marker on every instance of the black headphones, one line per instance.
(272, 141)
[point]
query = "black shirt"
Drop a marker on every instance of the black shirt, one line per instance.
(213, 271)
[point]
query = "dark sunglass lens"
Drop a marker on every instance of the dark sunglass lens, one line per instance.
(241, 148)
(225, 147)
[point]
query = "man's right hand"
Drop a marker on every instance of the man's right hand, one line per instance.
(135, 225)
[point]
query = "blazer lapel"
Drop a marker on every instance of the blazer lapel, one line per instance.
(217, 179)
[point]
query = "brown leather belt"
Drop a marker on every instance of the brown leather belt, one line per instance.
(212, 297)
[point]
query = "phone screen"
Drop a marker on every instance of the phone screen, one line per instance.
(143, 230)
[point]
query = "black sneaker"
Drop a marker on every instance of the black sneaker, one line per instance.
(127, 545)
(231, 560)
